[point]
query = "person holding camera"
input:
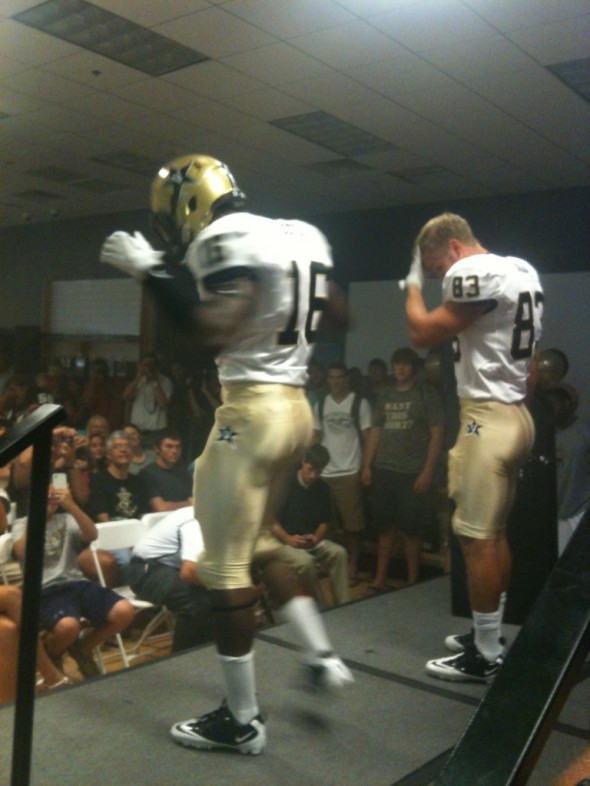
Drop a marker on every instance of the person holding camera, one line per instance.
(149, 395)
(67, 595)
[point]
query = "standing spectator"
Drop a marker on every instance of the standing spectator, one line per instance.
(402, 452)
(98, 424)
(342, 420)
(149, 394)
(572, 452)
(493, 306)
(77, 413)
(301, 525)
(140, 455)
(20, 398)
(249, 271)
(315, 386)
(377, 379)
(102, 395)
(204, 398)
(66, 594)
(164, 569)
(167, 481)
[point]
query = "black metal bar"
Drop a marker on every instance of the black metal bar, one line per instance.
(505, 737)
(36, 429)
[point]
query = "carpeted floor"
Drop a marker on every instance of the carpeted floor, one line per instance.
(393, 727)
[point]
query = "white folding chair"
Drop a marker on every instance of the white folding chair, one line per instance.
(151, 519)
(122, 535)
(10, 571)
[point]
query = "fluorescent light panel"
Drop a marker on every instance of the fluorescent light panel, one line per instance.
(130, 162)
(575, 74)
(330, 132)
(112, 36)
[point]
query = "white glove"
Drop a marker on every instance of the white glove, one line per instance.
(131, 254)
(416, 275)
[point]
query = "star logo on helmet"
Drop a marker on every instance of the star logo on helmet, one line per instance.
(473, 428)
(178, 177)
(227, 434)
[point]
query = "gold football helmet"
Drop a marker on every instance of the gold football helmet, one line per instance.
(186, 193)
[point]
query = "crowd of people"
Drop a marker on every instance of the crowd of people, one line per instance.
(261, 495)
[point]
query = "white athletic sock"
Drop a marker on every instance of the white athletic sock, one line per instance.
(502, 607)
(302, 612)
(240, 686)
(487, 634)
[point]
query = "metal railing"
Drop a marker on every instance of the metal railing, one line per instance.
(503, 741)
(34, 431)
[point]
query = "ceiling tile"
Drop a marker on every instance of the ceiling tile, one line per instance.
(215, 32)
(419, 27)
(349, 45)
(287, 19)
(554, 42)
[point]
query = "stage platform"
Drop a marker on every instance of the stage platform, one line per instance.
(394, 727)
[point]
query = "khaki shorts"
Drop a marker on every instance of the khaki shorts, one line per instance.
(347, 498)
(259, 435)
(493, 443)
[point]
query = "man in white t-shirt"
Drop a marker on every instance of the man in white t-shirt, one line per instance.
(492, 307)
(164, 570)
(342, 421)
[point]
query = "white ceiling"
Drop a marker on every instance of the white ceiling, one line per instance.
(455, 85)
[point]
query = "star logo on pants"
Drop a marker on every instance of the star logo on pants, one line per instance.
(473, 428)
(227, 434)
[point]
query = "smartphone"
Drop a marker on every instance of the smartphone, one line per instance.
(59, 480)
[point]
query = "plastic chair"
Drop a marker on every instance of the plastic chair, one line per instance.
(10, 571)
(122, 535)
(150, 519)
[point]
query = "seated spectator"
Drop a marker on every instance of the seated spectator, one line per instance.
(97, 454)
(64, 443)
(114, 494)
(66, 594)
(10, 619)
(101, 394)
(302, 525)
(168, 482)
(149, 395)
(140, 455)
(164, 570)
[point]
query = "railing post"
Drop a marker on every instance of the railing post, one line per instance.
(33, 571)
(35, 429)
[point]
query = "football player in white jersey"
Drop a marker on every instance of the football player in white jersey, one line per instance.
(262, 287)
(492, 308)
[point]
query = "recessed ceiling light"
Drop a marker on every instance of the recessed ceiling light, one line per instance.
(93, 28)
(575, 74)
(331, 132)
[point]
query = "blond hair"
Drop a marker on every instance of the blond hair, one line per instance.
(436, 233)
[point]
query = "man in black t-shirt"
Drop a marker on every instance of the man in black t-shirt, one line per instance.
(302, 525)
(167, 482)
(115, 494)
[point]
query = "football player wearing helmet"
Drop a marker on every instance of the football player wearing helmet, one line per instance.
(262, 286)
(492, 308)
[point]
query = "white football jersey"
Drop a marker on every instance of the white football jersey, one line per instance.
(493, 355)
(291, 260)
